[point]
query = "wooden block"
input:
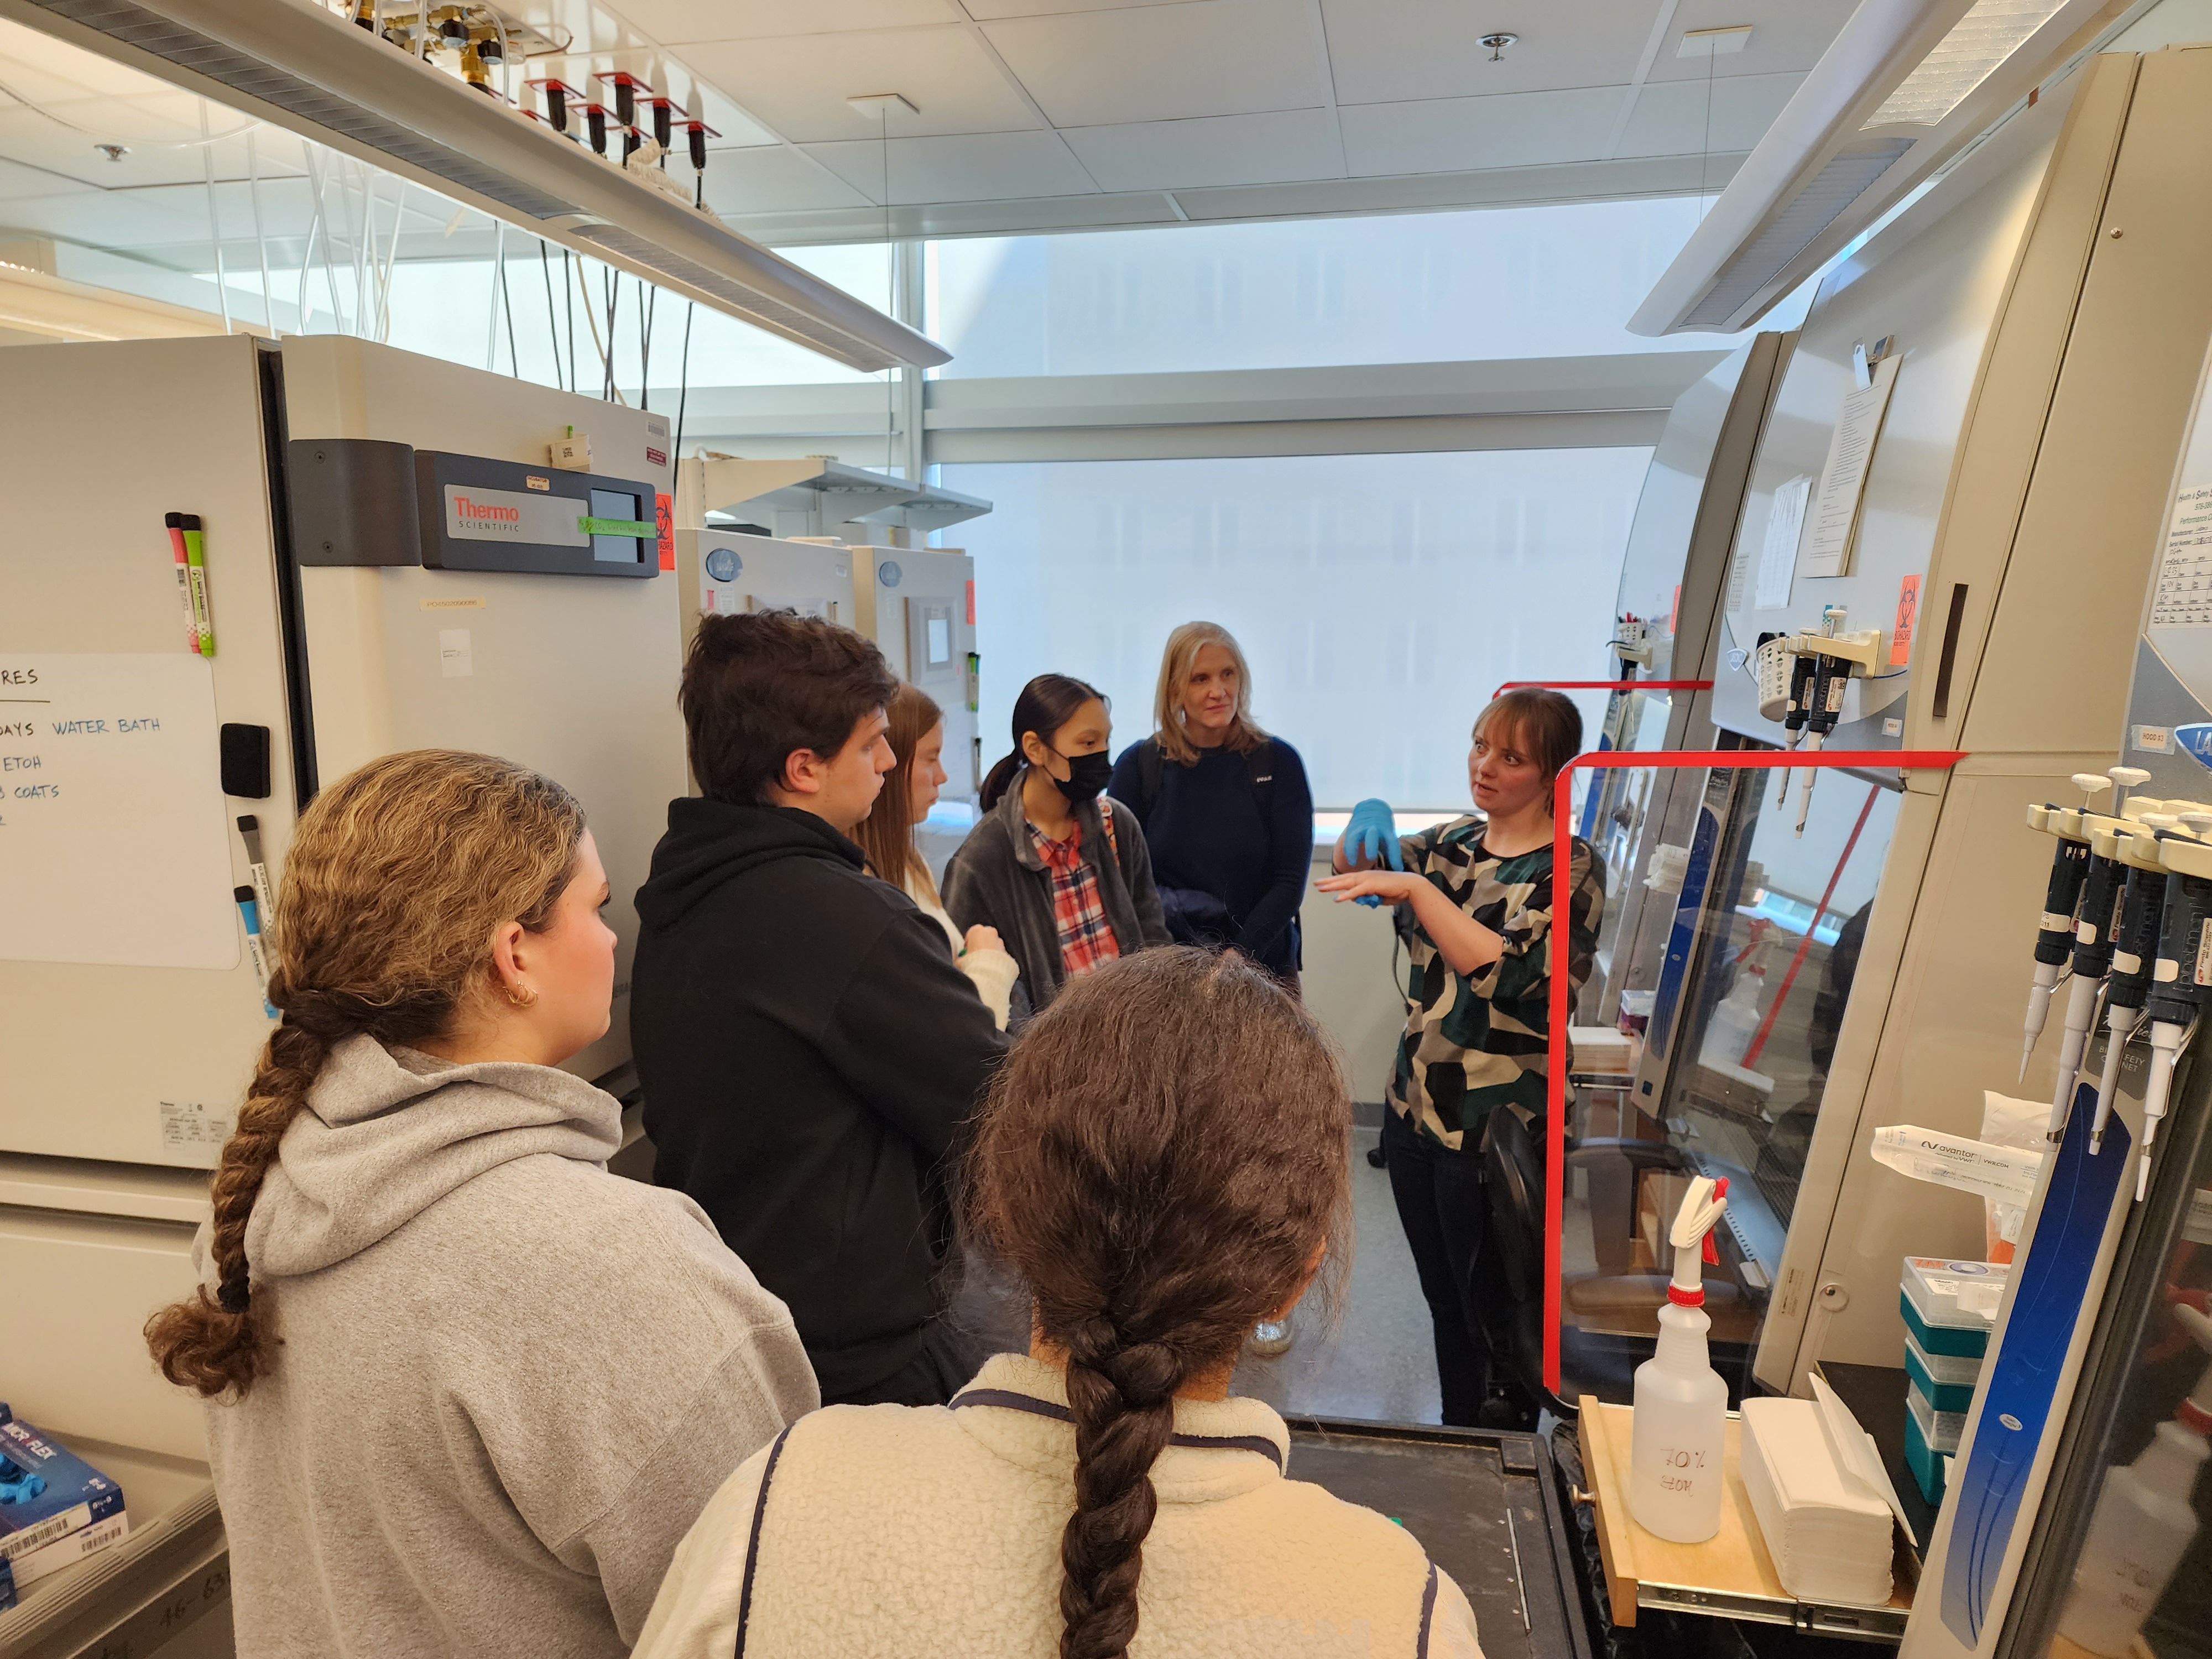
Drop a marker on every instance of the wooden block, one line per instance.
(1733, 1564)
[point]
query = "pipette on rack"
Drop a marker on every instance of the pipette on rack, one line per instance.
(2124, 780)
(2134, 946)
(2054, 936)
(2092, 961)
(2177, 998)
(1794, 716)
(1832, 677)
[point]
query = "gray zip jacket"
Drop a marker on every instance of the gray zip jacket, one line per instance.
(509, 1381)
(997, 880)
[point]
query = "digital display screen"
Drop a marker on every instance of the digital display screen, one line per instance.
(616, 549)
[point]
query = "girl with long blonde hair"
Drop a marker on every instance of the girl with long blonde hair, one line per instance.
(465, 1389)
(916, 735)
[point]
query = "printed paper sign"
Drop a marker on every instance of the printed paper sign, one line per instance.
(1834, 522)
(1777, 557)
(2183, 597)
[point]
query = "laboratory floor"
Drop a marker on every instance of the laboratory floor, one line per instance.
(1373, 1360)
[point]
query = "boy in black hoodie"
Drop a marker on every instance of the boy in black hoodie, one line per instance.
(809, 1054)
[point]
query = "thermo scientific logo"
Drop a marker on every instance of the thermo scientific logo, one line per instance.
(489, 515)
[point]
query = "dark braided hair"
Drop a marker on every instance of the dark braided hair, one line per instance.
(395, 880)
(1162, 1158)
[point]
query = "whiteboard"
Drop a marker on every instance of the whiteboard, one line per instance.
(112, 835)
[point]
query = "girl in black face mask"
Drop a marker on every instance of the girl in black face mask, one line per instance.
(1057, 866)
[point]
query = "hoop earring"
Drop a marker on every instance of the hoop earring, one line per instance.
(521, 996)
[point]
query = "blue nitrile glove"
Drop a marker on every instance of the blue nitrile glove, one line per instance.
(1372, 835)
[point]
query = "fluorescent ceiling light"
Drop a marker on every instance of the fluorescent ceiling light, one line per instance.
(309, 70)
(1977, 43)
(1905, 86)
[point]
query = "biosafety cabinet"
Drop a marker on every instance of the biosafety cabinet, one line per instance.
(1951, 515)
(388, 561)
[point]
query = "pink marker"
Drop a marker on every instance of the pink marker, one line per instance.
(176, 524)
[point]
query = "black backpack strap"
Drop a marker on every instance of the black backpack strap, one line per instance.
(1148, 762)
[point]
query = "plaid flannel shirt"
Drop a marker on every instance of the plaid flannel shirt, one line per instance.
(1086, 938)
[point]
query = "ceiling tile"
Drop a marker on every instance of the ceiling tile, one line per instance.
(161, 148)
(46, 68)
(799, 85)
(1393, 50)
(1671, 119)
(777, 180)
(1783, 37)
(1221, 149)
(1163, 62)
(984, 166)
(1448, 134)
(680, 22)
(985, 10)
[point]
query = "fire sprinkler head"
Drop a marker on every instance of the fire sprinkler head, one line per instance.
(1497, 41)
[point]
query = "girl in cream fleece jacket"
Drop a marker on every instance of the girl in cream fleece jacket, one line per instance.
(1161, 1159)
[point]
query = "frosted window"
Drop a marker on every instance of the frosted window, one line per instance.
(1380, 598)
(1524, 281)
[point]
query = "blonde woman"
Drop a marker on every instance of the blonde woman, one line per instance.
(466, 1389)
(1224, 807)
(916, 736)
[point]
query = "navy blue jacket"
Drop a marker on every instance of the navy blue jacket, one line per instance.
(1211, 830)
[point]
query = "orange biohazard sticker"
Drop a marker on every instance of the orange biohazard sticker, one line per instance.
(1908, 612)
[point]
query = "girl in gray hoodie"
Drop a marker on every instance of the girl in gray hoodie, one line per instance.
(467, 1390)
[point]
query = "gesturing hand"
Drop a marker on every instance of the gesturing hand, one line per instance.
(1371, 887)
(1372, 834)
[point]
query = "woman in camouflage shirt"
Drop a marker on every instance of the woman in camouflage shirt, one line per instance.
(1477, 1011)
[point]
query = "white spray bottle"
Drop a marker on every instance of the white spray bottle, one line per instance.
(2144, 1523)
(1675, 1476)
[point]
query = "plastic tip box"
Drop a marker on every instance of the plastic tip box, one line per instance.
(1948, 1380)
(1928, 1465)
(1950, 1307)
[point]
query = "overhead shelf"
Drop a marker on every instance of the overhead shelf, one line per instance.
(843, 493)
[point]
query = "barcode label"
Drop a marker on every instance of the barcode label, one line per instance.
(45, 1532)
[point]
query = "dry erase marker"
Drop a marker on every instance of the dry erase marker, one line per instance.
(249, 829)
(246, 911)
(175, 521)
(195, 569)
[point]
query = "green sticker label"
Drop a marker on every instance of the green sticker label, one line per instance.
(618, 526)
